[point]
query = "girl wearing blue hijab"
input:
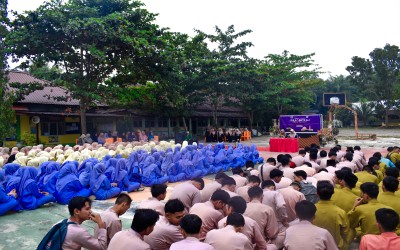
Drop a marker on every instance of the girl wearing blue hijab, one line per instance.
(100, 185)
(84, 176)
(48, 181)
(12, 181)
(168, 168)
(152, 175)
(120, 176)
(29, 197)
(68, 185)
(7, 200)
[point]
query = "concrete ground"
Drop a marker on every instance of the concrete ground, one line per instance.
(24, 230)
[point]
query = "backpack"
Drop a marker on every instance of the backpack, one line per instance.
(309, 191)
(55, 237)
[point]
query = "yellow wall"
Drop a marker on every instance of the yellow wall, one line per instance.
(25, 126)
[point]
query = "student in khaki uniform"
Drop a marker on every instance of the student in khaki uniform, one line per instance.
(387, 197)
(343, 197)
(254, 181)
(362, 213)
(331, 217)
(366, 175)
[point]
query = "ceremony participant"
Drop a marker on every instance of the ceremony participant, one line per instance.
(143, 224)
(188, 192)
(343, 197)
(299, 159)
(262, 214)
(251, 229)
(387, 221)
(238, 176)
(387, 197)
(366, 175)
(292, 134)
(275, 200)
(364, 208)
(323, 159)
(313, 160)
(266, 169)
(253, 182)
(304, 235)
(190, 228)
(307, 167)
(306, 188)
(29, 197)
(7, 200)
(229, 185)
(77, 237)
(347, 162)
(120, 176)
(210, 188)
(166, 231)
(112, 214)
(285, 168)
(210, 211)
(47, 182)
(331, 217)
(100, 185)
(291, 197)
(68, 185)
(230, 236)
(158, 193)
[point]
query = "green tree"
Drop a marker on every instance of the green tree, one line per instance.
(7, 115)
(365, 110)
(289, 79)
(221, 69)
(378, 77)
(98, 45)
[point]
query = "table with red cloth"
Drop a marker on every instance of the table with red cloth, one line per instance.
(290, 145)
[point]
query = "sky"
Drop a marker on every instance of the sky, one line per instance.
(335, 30)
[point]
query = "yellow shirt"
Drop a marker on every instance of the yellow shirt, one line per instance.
(364, 216)
(334, 219)
(382, 166)
(389, 199)
(344, 198)
(364, 176)
(379, 175)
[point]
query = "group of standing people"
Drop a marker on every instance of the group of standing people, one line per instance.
(224, 134)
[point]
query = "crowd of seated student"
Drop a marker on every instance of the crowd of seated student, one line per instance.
(224, 134)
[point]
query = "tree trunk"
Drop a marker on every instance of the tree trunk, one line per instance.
(184, 123)
(82, 109)
(386, 116)
(251, 118)
(215, 115)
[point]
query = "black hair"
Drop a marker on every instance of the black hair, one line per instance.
(390, 183)
(255, 192)
(377, 155)
(325, 190)
(284, 160)
(220, 195)
(296, 183)
(143, 219)
(77, 202)
(332, 153)
(235, 219)
(357, 148)
(199, 180)
(307, 164)
(228, 181)
(313, 156)
(238, 204)
(305, 210)
(371, 189)
(158, 189)
(387, 218)
(279, 157)
(323, 153)
(392, 172)
(307, 148)
(173, 206)
(267, 183)
(191, 224)
(254, 179)
(123, 197)
(288, 156)
(275, 173)
(249, 164)
(301, 173)
(322, 170)
(348, 156)
(350, 150)
(271, 159)
(340, 174)
(368, 168)
(314, 151)
(302, 152)
(350, 179)
(390, 149)
(331, 163)
(237, 170)
(220, 175)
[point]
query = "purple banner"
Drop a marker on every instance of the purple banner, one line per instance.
(301, 123)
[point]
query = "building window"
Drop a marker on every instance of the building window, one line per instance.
(137, 123)
(52, 128)
(163, 123)
(149, 123)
